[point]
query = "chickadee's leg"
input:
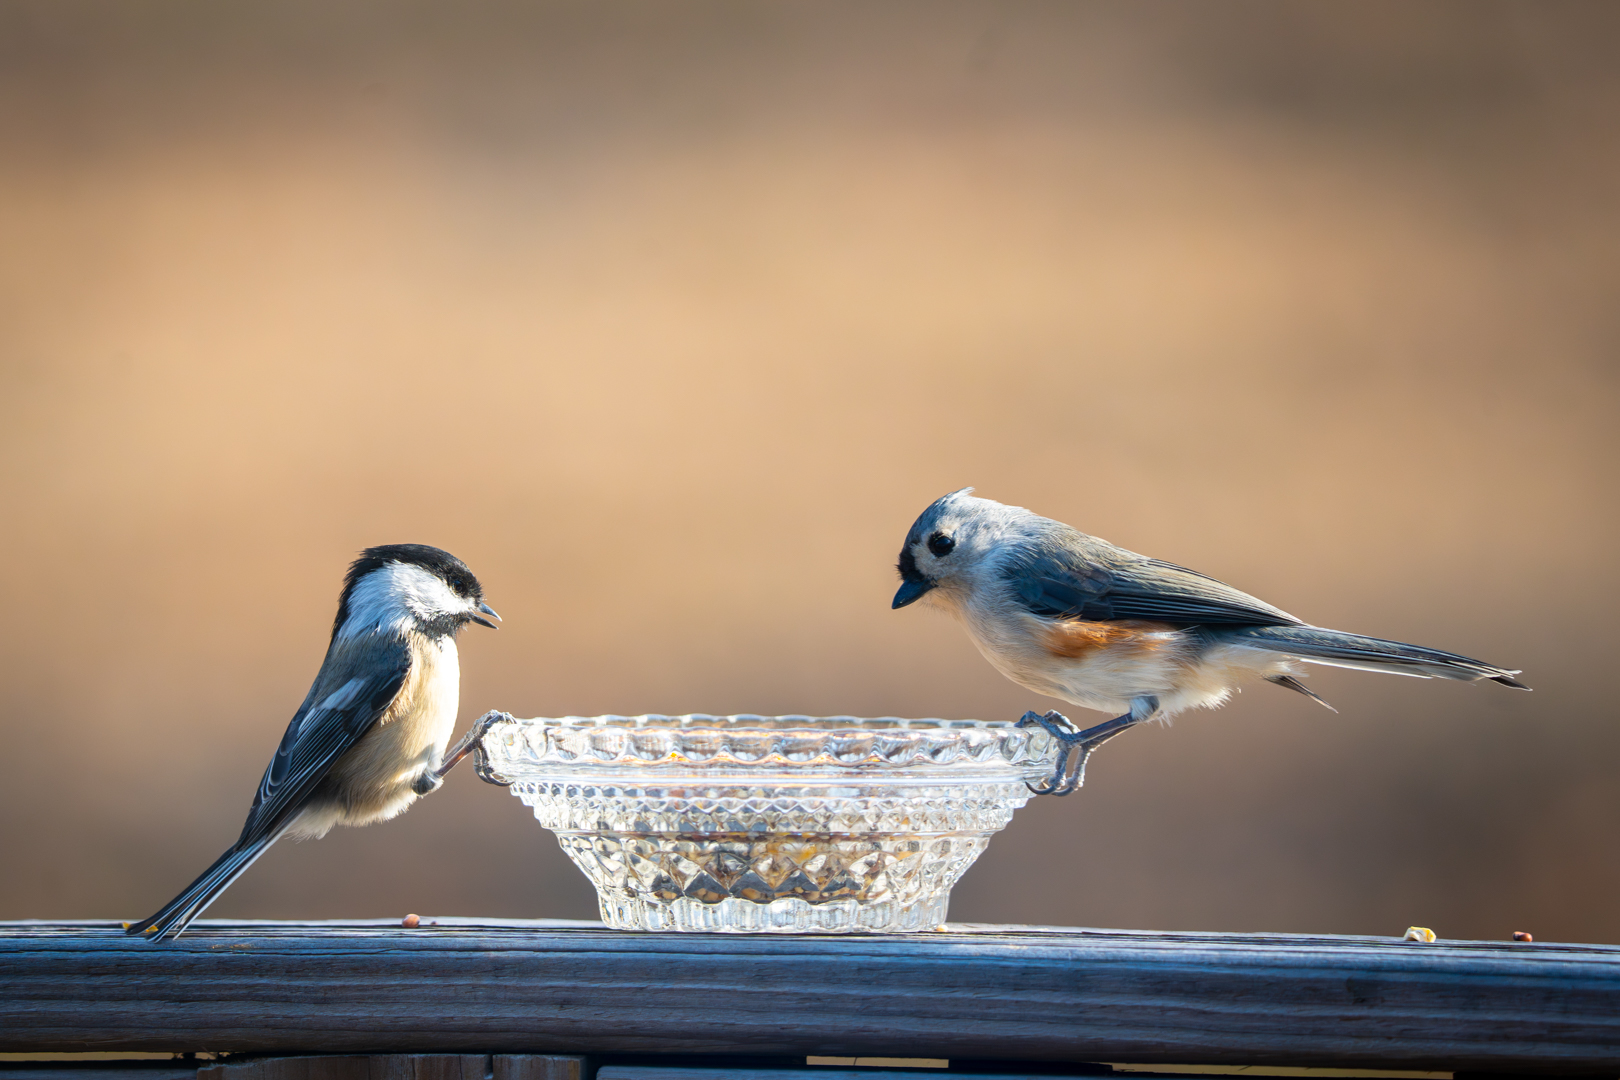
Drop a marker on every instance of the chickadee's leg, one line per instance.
(431, 779)
(1078, 745)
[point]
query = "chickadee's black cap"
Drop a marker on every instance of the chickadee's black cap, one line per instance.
(434, 560)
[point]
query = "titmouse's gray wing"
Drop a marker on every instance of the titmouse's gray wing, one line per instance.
(1069, 575)
(358, 681)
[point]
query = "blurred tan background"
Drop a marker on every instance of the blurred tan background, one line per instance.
(668, 319)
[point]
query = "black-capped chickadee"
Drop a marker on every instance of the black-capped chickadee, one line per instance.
(370, 737)
(1076, 618)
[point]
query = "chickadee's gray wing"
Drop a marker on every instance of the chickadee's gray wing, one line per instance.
(1081, 577)
(358, 681)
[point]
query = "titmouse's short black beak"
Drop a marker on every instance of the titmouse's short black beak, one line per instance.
(912, 582)
(911, 590)
(487, 610)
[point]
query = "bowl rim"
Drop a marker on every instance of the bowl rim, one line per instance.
(760, 722)
(748, 743)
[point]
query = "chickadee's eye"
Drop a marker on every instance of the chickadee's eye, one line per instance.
(941, 545)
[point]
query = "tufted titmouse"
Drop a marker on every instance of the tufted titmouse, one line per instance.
(370, 737)
(1074, 617)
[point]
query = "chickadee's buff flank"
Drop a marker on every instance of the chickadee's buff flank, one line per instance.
(369, 737)
(1076, 618)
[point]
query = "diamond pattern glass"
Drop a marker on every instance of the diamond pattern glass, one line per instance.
(787, 824)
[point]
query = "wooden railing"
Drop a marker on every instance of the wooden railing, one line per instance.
(1003, 994)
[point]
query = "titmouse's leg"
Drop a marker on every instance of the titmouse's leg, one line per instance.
(1078, 745)
(430, 780)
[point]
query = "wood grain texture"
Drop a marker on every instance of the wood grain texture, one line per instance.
(330, 1067)
(98, 1070)
(536, 1067)
(1005, 993)
(398, 1067)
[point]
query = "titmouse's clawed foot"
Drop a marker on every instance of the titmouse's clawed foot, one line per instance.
(1060, 728)
(1056, 724)
(474, 736)
(1070, 772)
(428, 781)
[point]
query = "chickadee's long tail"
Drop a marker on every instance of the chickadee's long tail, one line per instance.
(1336, 648)
(177, 914)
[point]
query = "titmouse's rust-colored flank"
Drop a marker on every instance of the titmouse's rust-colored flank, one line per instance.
(370, 737)
(1074, 617)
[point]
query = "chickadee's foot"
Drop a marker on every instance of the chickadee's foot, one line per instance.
(468, 743)
(1070, 772)
(428, 781)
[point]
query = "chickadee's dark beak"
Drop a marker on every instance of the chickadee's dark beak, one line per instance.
(911, 590)
(487, 610)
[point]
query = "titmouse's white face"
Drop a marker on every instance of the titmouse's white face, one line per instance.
(949, 545)
(437, 598)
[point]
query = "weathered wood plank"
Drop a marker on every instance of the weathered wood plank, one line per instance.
(98, 1070)
(536, 1067)
(721, 1072)
(1006, 993)
(375, 1067)
(330, 1067)
(398, 1067)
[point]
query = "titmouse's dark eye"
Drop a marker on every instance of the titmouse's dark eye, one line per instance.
(941, 545)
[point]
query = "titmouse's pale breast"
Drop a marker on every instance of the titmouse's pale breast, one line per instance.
(1101, 664)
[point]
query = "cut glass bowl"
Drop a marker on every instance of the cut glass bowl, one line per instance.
(779, 824)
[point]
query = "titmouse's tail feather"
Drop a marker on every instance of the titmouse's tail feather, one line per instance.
(1336, 648)
(177, 914)
(1300, 688)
